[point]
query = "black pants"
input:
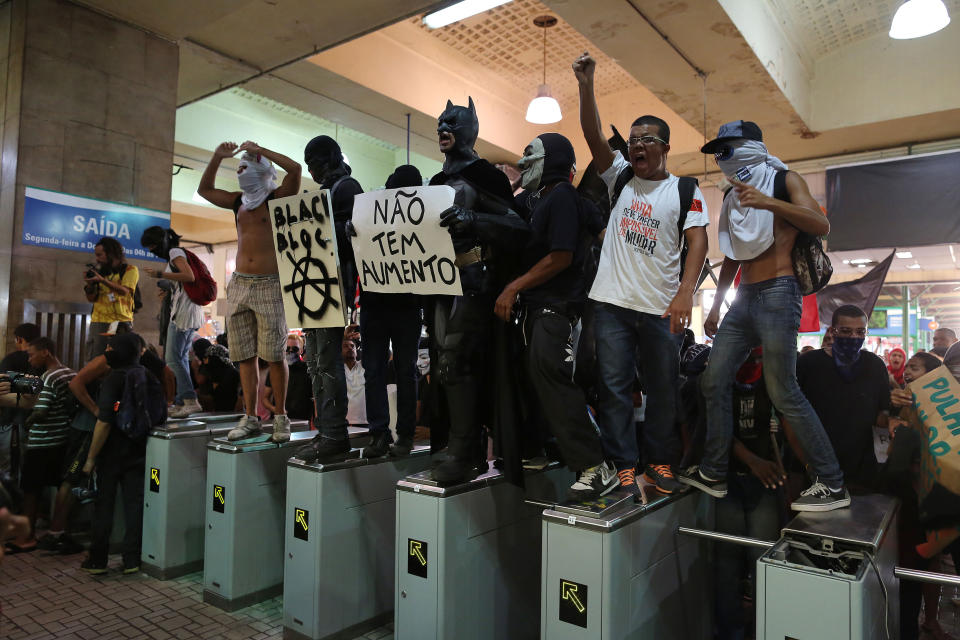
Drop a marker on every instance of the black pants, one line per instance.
(550, 361)
(125, 474)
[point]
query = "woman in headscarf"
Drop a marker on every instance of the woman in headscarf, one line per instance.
(896, 363)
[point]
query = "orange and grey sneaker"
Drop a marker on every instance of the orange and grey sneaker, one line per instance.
(628, 482)
(661, 476)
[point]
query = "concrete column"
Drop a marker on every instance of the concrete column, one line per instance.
(89, 110)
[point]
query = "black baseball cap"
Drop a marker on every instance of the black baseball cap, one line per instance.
(734, 131)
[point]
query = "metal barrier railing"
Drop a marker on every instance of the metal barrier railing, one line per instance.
(725, 537)
(926, 576)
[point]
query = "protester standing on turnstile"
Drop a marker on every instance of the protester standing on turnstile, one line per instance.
(324, 161)
(485, 232)
(552, 292)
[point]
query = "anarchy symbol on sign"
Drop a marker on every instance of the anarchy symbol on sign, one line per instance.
(301, 269)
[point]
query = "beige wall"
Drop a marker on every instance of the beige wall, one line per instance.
(96, 114)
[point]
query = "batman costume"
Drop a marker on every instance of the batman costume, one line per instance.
(486, 232)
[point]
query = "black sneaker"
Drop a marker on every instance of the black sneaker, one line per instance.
(453, 471)
(93, 569)
(130, 569)
(661, 476)
(594, 482)
(49, 542)
(820, 497)
(324, 450)
(402, 447)
(694, 478)
(62, 544)
(379, 446)
(628, 482)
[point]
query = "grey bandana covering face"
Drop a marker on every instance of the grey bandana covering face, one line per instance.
(257, 180)
(531, 164)
(744, 232)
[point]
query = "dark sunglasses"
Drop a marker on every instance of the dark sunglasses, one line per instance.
(292, 349)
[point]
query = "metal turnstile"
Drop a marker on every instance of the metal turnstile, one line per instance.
(616, 569)
(468, 556)
(243, 543)
(173, 505)
(831, 575)
(173, 497)
(340, 530)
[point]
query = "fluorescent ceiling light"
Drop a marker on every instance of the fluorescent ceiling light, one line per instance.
(544, 109)
(918, 18)
(906, 255)
(915, 265)
(860, 261)
(460, 11)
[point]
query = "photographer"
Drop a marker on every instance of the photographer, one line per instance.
(11, 419)
(110, 285)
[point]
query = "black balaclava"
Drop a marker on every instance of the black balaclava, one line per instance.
(406, 175)
(124, 350)
(323, 154)
(463, 124)
(552, 158)
(200, 346)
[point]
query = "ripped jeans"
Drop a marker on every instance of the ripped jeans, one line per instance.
(325, 364)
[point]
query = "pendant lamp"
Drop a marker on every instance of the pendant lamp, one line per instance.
(918, 18)
(544, 109)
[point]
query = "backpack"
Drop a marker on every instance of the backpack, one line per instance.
(811, 265)
(687, 186)
(142, 406)
(203, 289)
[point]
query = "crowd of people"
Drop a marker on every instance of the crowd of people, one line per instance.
(589, 292)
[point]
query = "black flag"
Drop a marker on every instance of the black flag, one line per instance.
(862, 292)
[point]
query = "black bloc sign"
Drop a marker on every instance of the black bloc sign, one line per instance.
(154, 479)
(573, 603)
(417, 557)
(301, 524)
(219, 498)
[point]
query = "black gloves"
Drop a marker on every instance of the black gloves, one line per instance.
(458, 220)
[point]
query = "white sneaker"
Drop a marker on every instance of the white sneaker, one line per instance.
(190, 407)
(248, 427)
(281, 428)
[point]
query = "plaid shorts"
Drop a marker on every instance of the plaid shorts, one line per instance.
(256, 324)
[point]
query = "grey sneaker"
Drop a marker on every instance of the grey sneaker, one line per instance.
(190, 407)
(695, 478)
(820, 497)
(594, 482)
(281, 428)
(248, 427)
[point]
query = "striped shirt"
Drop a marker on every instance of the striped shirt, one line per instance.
(56, 406)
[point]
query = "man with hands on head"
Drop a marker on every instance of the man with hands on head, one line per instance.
(761, 217)
(255, 319)
(642, 304)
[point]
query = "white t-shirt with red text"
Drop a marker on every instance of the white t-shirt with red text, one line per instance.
(640, 263)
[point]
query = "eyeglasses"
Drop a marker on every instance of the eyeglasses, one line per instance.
(847, 332)
(646, 140)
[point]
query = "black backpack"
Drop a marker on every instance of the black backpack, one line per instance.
(143, 404)
(687, 186)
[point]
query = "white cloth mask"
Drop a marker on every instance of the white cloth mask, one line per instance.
(257, 180)
(531, 164)
(743, 233)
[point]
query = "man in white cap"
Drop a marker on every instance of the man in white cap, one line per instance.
(760, 219)
(255, 320)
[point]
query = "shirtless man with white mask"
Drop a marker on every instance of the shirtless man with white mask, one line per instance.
(255, 320)
(761, 216)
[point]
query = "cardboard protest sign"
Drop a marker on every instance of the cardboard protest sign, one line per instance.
(936, 396)
(306, 244)
(400, 246)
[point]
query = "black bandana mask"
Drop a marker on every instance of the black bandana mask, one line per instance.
(324, 159)
(462, 123)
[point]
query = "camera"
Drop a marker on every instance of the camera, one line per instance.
(22, 384)
(91, 271)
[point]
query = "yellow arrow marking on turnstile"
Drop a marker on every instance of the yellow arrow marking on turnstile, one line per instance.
(415, 551)
(218, 494)
(155, 476)
(569, 590)
(301, 519)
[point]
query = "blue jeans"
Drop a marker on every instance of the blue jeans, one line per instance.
(383, 324)
(767, 314)
(627, 340)
(325, 364)
(176, 353)
(751, 510)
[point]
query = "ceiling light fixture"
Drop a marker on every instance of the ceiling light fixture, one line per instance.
(915, 265)
(544, 109)
(459, 11)
(906, 255)
(918, 18)
(860, 261)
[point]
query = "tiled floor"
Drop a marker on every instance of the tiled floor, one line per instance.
(46, 596)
